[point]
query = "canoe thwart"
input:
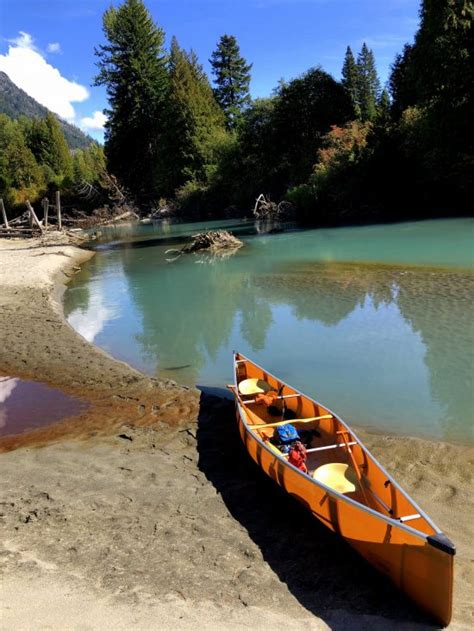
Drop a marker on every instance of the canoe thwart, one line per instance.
(313, 449)
(294, 420)
(409, 517)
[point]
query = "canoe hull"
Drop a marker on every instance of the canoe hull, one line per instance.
(422, 571)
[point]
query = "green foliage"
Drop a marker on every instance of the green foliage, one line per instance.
(195, 121)
(88, 164)
(384, 109)
(350, 80)
(232, 79)
(304, 198)
(361, 83)
(192, 198)
(132, 66)
(368, 85)
(305, 109)
(20, 175)
(256, 162)
(432, 85)
(48, 145)
(34, 157)
(340, 159)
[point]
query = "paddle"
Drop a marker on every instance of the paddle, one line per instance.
(295, 420)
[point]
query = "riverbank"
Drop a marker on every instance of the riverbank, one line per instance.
(141, 513)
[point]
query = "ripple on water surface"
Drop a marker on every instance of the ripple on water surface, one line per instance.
(28, 405)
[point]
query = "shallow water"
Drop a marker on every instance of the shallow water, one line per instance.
(376, 322)
(27, 405)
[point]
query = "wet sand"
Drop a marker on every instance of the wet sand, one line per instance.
(145, 512)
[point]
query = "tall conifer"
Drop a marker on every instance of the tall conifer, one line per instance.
(132, 66)
(232, 79)
(368, 84)
(195, 120)
(350, 79)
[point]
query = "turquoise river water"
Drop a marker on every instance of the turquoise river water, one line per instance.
(375, 322)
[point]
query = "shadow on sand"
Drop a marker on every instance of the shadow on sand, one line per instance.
(322, 572)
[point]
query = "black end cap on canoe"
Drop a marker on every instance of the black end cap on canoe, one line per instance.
(442, 542)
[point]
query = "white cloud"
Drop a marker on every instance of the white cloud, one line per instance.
(24, 40)
(54, 47)
(94, 122)
(30, 71)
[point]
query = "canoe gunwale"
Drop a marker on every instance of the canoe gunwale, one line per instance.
(393, 522)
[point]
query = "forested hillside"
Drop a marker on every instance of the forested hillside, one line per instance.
(340, 151)
(14, 102)
(345, 151)
(35, 158)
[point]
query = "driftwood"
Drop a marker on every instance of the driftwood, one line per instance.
(58, 210)
(28, 224)
(4, 214)
(33, 216)
(266, 209)
(213, 241)
(128, 214)
(45, 204)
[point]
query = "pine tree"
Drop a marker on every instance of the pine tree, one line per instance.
(195, 120)
(350, 79)
(368, 84)
(232, 79)
(132, 66)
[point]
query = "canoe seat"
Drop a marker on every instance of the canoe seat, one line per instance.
(338, 476)
(254, 386)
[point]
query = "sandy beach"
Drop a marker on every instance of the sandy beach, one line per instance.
(145, 512)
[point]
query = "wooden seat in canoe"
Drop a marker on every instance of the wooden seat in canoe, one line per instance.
(338, 476)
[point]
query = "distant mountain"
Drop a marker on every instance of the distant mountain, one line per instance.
(15, 102)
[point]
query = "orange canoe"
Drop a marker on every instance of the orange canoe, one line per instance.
(344, 486)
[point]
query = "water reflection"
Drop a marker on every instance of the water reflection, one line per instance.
(26, 405)
(387, 346)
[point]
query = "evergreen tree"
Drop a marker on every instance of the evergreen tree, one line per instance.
(18, 168)
(383, 108)
(132, 66)
(350, 80)
(232, 79)
(402, 81)
(368, 84)
(195, 120)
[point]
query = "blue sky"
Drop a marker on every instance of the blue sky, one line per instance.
(49, 44)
